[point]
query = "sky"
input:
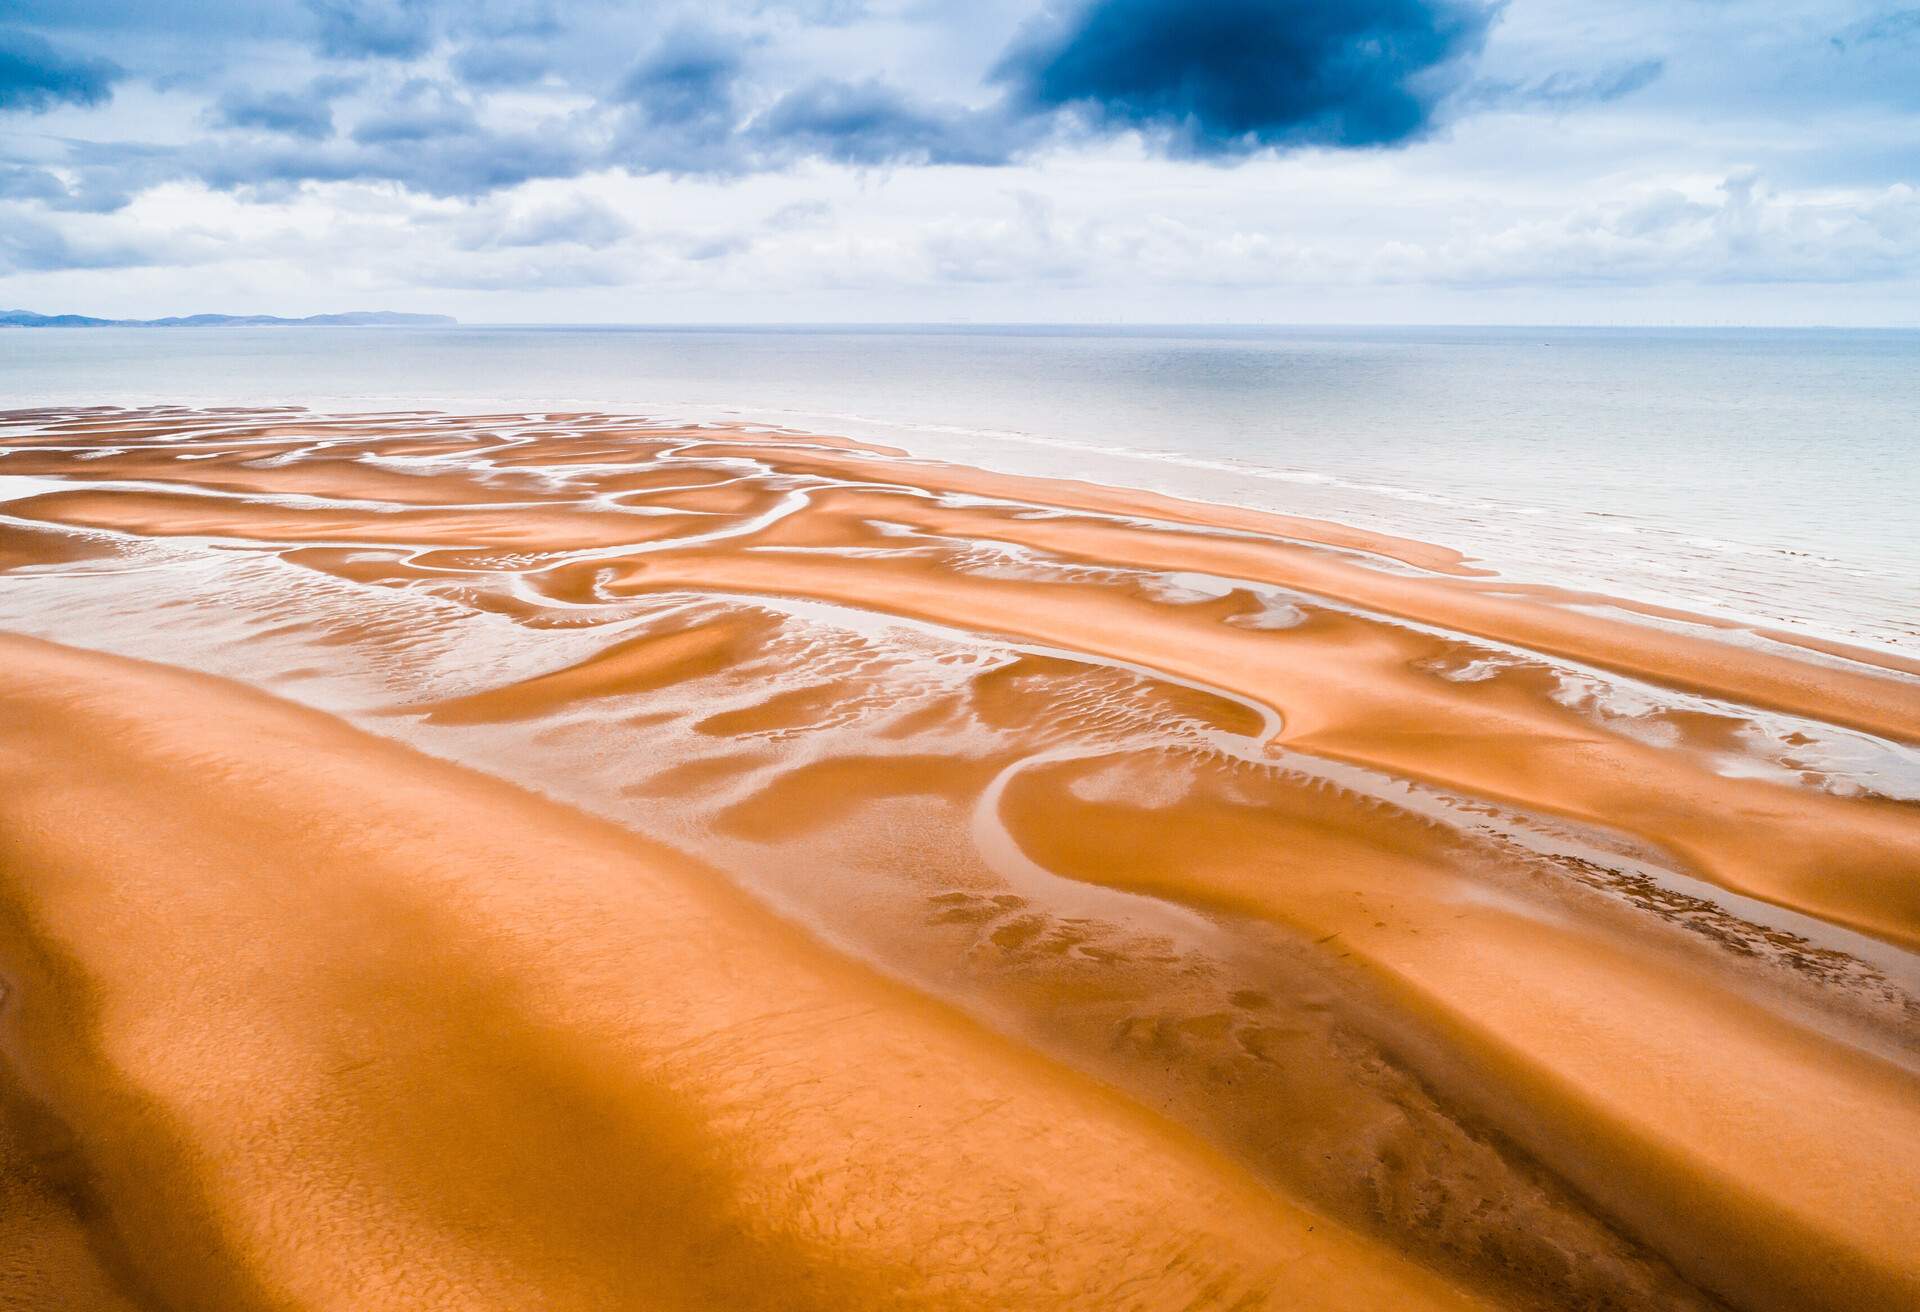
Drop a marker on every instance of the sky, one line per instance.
(1290, 161)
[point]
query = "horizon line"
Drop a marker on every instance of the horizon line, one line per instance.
(989, 324)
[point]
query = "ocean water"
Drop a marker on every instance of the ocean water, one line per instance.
(1771, 476)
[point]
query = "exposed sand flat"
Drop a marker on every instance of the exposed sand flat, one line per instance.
(799, 454)
(1352, 690)
(1592, 1040)
(201, 516)
(949, 890)
(475, 1050)
(1509, 613)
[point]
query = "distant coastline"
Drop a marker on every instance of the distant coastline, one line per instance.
(352, 319)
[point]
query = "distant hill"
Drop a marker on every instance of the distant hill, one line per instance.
(355, 319)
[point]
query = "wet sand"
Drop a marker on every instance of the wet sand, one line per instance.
(571, 861)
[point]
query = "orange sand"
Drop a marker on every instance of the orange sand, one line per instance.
(848, 895)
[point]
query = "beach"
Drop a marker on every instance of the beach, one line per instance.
(580, 860)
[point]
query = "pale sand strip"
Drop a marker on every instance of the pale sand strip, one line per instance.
(1501, 610)
(337, 1026)
(1346, 691)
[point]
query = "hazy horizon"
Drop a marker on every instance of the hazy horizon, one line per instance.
(299, 312)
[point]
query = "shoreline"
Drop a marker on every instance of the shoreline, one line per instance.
(1391, 883)
(934, 442)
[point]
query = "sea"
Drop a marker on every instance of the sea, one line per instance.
(1770, 477)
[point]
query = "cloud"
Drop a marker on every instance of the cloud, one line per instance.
(505, 63)
(582, 223)
(1032, 247)
(464, 160)
(23, 182)
(1742, 232)
(872, 123)
(520, 272)
(721, 247)
(35, 75)
(418, 121)
(29, 245)
(1896, 27)
(1563, 89)
(373, 29)
(1229, 77)
(821, 13)
(428, 141)
(92, 192)
(688, 78)
(753, 130)
(1873, 59)
(709, 101)
(308, 116)
(801, 215)
(94, 177)
(200, 19)
(682, 106)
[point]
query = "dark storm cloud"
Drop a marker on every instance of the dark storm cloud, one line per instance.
(1227, 77)
(1201, 77)
(37, 75)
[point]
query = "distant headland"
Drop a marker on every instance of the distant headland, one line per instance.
(352, 319)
